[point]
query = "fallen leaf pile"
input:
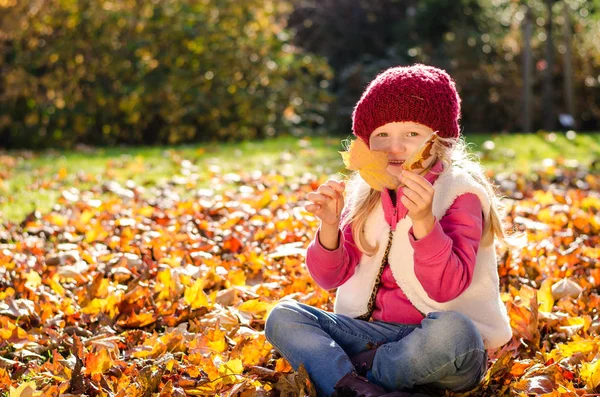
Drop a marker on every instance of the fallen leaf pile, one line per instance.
(113, 293)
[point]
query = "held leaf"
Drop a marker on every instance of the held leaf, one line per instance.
(371, 165)
(420, 159)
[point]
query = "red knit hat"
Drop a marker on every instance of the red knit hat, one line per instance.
(418, 93)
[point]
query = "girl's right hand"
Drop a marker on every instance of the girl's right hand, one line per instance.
(327, 202)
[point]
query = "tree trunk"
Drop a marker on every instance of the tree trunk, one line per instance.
(568, 68)
(527, 71)
(548, 95)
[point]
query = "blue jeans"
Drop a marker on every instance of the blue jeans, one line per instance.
(445, 351)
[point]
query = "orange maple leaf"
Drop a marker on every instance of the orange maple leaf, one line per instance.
(98, 363)
(370, 165)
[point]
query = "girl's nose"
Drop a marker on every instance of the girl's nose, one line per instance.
(397, 146)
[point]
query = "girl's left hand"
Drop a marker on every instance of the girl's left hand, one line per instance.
(418, 196)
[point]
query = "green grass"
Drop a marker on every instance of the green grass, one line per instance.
(524, 151)
(35, 182)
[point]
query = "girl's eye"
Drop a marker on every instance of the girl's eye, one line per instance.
(413, 133)
(382, 134)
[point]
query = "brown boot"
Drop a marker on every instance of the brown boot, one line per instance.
(363, 361)
(353, 385)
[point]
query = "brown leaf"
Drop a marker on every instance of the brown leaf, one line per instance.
(565, 287)
(536, 385)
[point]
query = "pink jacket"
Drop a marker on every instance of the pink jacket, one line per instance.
(444, 259)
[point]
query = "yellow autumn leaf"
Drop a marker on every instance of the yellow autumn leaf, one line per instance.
(256, 351)
(577, 345)
(231, 367)
(195, 296)
(108, 305)
(254, 306)
(216, 341)
(237, 277)
(57, 219)
(151, 348)
(86, 217)
(54, 283)
(33, 280)
(14, 331)
(370, 165)
(590, 372)
(137, 320)
(165, 285)
(146, 211)
(580, 321)
(27, 389)
(544, 296)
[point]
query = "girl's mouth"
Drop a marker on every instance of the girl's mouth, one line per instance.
(395, 163)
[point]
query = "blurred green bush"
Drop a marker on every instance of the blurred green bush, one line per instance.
(105, 72)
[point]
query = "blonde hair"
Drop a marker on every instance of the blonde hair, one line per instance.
(362, 199)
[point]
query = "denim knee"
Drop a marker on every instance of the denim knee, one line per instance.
(281, 320)
(458, 330)
(446, 347)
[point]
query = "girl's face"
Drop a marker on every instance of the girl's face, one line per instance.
(399, 140)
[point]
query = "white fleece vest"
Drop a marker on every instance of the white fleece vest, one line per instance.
(480, 301)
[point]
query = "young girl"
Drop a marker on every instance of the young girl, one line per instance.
(418, 299)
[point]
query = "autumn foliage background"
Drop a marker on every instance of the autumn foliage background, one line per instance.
(150, 271)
